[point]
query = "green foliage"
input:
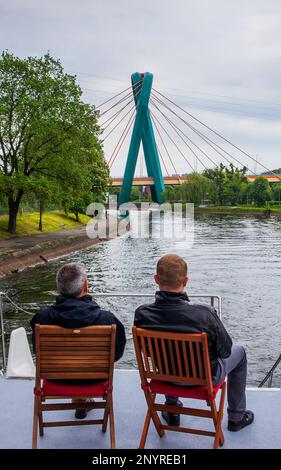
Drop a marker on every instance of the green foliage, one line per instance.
(227, 184)
(196, 189)
(261, 191)
(276, 192)
(46, 131)
(135, 193)
(169, 194)
(77, 205)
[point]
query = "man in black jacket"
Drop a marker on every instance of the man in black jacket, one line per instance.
(75, 308)
(172, 311)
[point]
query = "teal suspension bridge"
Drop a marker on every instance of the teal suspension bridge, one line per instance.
(169, 136)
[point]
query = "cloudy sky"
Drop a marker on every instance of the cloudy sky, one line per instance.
(220, 60)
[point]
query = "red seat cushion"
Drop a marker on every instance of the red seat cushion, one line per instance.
(167, 388)
(62, 388)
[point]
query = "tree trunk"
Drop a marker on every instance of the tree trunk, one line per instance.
(76, 216)
(13, 211)
(41, 208)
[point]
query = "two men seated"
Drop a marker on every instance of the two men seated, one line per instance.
(171, 311)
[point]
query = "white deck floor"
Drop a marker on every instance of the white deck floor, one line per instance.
(16, 398)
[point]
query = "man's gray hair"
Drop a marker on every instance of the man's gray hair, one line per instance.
(70, 279)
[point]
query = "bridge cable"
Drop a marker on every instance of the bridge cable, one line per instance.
(109, 120)
(129, 95)
(178, 131)
(218, 134)
(118, 123)
(121, 140)
(123, 135)
(162, 159)
(190, 148)
(118, 94)
(153, 115)
(208, 140)
(163, 143)
(117, 114)
(121, 143)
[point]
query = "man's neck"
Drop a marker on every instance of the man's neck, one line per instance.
(174, 291)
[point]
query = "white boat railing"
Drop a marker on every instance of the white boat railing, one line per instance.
(215, 301)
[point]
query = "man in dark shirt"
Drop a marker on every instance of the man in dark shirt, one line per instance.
(172, 311)
(75, 308)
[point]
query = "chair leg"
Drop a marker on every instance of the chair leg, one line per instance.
(220, 414)
(40, 418)
(35, 425)
(111, 423)
(217, 419)
(151, 413)
(145, 430)
(105, 418)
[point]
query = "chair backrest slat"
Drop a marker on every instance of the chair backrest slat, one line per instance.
(151, 353)
(185, 358)
(143, 346)
(181, 357)
(164, 354)
(158, 359)
(77, 353)
(178, 357)
(171, 357)
(199, 360)
(191, 353)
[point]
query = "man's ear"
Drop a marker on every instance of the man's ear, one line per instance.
(185, 281)
(86, 286)
(155, 277)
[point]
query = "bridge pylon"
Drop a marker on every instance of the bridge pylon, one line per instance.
(142, 132)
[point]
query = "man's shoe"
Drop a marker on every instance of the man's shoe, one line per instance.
(247, 419)
(80, 413)
(172, 419)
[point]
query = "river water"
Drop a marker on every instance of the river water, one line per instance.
(236, 257)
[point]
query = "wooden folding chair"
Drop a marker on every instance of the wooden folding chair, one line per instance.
(177, 365)
(65, 358)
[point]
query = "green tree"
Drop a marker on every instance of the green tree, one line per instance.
(77, 205)
(169, 194)
(135, 193)
(196, 189)
(276, 192)
(44, 191)
(219, 179)
(245, 192)
(235, 178)
(45, 130)
(227, 184)
(261, 191)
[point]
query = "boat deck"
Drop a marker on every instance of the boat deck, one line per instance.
(17, 409)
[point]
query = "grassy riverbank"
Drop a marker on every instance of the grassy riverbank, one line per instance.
(54, 221)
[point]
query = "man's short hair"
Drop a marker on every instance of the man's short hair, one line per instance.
(171, 271)
(70, 279)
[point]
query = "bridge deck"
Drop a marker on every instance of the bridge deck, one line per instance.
(177, 180)
(130, 408)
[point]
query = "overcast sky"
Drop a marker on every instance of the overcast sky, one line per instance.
(221, 60)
